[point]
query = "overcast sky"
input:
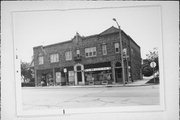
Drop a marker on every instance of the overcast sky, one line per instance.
(36, 28)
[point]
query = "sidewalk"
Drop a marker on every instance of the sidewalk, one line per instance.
(139, 82)
(132, 84)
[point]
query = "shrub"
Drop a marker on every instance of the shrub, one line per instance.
(147, 71)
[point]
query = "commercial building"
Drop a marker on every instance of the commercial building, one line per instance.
(88, 60)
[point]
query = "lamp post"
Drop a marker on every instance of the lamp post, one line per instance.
(65, 71)
(122, 61)
(126, 58)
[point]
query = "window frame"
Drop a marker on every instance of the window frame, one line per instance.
(104, 49)
(90, 50)
(55, 60)
(40, 61)
(68, 55)
(78, 53)
(117, 47)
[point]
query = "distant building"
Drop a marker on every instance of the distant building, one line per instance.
(87, 60)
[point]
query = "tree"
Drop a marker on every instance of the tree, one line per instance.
(147, 70)
(26, 72)
(153, 57)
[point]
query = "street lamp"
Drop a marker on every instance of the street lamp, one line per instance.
(65, 71)
(122, 61)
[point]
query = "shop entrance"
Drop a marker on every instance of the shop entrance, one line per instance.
(44, 80)
(118, 72)
(79, 76)
(47, 79)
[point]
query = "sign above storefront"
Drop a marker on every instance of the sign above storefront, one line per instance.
(97, 69)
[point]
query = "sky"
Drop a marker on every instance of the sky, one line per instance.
(34, 28)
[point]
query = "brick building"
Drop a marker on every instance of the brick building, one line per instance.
(87, 60)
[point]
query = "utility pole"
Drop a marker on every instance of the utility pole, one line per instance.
(121, 52)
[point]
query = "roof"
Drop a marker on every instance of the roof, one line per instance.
(110, 31)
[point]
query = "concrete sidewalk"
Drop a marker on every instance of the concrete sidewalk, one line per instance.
(132, 84)
(139, 82)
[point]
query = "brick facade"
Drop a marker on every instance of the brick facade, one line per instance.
(100, 65)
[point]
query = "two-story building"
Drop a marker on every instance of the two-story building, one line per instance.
(87, 60)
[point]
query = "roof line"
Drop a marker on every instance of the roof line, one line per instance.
(58, 43)
(85, 37)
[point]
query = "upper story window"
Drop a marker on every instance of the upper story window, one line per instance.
(54, 58)
(125, 51)
(116, 45)
(40, 60)
(68, 55)
(78, 53)
(104, 49)
(90, 52)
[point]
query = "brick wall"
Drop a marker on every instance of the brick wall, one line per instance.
(92, 41)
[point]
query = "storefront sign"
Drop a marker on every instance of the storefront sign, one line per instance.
(97, 69)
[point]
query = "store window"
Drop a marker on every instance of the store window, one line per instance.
(54, 58)
(104, 49)
(41, 60)
(71, 77)
(68, 55)
(116, 45)
(90, 52)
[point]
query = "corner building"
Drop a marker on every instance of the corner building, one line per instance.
(88, 60)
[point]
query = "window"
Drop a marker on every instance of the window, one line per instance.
(54, 58)
(78, 53)
(68, 55)
(125, 51)
(41, 60)
(104, 49)
(90, 52)
(116, 47)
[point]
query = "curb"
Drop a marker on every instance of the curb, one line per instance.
(94, 86)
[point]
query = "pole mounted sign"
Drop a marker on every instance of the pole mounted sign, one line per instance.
(153, 64)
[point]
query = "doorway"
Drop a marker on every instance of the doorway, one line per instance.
(79, 74)
(79, 77)
(118, 72)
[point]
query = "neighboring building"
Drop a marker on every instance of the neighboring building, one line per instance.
(93, 59)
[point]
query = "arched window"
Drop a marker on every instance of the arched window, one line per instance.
(78, 67)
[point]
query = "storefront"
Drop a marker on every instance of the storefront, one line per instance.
(64, 76)
(79, 74)
(100, 73)
(45, 77)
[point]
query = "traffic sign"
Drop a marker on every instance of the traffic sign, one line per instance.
(153, 64)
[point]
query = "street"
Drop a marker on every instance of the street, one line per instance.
(80, 97)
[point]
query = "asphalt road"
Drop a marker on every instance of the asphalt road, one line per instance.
(76, 97)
